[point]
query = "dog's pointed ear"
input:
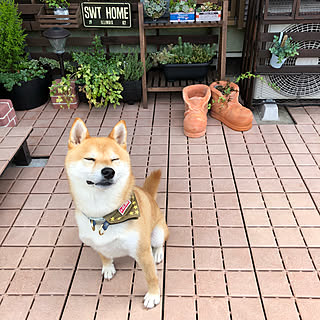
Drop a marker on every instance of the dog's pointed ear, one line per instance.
(119, 134)
(78, 133)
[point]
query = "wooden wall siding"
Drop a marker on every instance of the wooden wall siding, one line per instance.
(39, 46)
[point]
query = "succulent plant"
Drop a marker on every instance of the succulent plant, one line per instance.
(155, 8)
(209, 6)
(184, 52)
(182, 6)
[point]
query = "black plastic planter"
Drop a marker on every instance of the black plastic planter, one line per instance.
(196, 71)
(132, 91)
(82, 95)
(30, 94)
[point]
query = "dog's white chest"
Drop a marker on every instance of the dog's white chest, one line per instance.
(117, 241)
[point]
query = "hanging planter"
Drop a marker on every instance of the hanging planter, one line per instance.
(274, 62)
(283, 48)
(56, 17)
(61, 12)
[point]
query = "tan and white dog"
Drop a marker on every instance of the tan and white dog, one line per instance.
(115, 217)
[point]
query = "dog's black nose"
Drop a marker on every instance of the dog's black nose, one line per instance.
(108, 173)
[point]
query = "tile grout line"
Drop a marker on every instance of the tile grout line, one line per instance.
(245, 227)
(192, 233)
(166, 210)
(218, 228)
(135, 263)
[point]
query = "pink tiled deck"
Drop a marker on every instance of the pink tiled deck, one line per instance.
(242, 208)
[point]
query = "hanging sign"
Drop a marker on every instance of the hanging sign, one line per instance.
(106, 14)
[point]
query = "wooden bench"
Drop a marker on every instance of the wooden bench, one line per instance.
(13, 146)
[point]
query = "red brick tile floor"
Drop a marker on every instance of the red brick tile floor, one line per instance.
(242, 208)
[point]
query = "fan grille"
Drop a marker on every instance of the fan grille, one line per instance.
(299, 85)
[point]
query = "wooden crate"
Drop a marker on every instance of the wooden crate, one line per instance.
(47, 19)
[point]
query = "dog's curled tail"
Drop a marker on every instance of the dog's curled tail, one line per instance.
(152, 182)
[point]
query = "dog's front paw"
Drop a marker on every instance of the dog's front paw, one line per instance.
(157, 254)
(108, 271)
(151, 300)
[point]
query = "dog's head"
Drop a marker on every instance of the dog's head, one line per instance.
(97, 162)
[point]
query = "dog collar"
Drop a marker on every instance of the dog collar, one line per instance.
(129, 210)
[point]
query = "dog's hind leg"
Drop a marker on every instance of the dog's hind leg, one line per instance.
(108, 269)
(159, 235)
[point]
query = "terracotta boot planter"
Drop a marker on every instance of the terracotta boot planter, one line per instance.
(230, 112)
(196, 98)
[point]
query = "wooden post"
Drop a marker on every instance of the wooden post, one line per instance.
(143, 55)
(223, 41)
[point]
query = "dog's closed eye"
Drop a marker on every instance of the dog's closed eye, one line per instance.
(90, 159)
(115, 159)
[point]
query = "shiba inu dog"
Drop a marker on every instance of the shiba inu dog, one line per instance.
(115, 217)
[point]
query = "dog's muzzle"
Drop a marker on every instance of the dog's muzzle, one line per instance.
(108, 174)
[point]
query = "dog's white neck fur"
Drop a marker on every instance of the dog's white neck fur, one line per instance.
(105, 199)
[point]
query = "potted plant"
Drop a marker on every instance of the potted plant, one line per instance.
(185, 61)
(27, 86)
(132, 73)
(225, 105)
(12, 39)
(60, 7)
(182, 10)
(63, 93)
(98, 77)
(281, 50)
(208, 11)
(155, 9)
(23, 81)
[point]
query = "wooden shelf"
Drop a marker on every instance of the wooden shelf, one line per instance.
(169, 25)
(150, 85)
(156, 81)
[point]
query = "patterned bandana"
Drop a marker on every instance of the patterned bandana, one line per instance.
(129, 210)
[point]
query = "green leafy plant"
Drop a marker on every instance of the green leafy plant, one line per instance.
(155, 8)
(98, 77)
(182, 6)
(12, 37)
(55, 4)
(209, 6)
(62, 88)
(284, 49)
(132, 65)
(228, 89)
(25, 71)
(184, 53)
(54, 64)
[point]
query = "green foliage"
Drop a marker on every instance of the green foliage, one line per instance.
(132, 65)
(209, 6)
(289, 49)
(155, 8)
(182, 6)
(11, 37)
(56, 3)
(26, 71)
(98, 76)
(227, 89)
(184, 52)
(63, 90)
(54, 64)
